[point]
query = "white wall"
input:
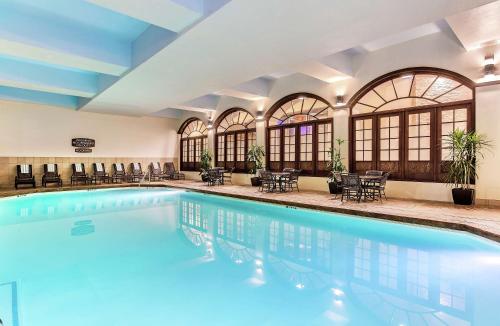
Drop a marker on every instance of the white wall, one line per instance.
(42, 131)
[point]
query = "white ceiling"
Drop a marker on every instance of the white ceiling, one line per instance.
(248, 39)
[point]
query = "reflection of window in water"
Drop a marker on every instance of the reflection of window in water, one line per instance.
(240, 227)
(418, 273)
(305, 245)
(289, 236)
(197, 216)
(451, 294)
(191, 213)
(184, 212)
(230, 225)
(220, 222)
(251, 225)
(362, 259)
(388, 265)
(273, 236)
(323, 247)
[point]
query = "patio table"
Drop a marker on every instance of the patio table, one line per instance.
(278, 178)
(367, 181)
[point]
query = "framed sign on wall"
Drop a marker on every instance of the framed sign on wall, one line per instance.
(83, 145)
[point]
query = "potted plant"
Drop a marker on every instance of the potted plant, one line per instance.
(255, 157)
(335, 166)
(205, 164)
(466, 148)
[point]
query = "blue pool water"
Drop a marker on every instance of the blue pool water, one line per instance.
(169, 257)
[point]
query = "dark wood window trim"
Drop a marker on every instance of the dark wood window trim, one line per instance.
(192, 146)
(315, 169)
(221, 159)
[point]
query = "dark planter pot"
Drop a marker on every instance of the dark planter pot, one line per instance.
(463, 196)
(334, 188)
(255, 181)
(204, 178)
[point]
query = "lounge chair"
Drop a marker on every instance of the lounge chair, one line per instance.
(119, 174)
(171, 172)
(79, 174)
(24, 175)
(100, 173)
(156, 173)
(137, 173)
(51, 175)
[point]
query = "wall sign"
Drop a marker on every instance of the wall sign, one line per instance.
(83, 150)
(82, 142)
(83, 145)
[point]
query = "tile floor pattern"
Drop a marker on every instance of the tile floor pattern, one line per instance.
(478, 220)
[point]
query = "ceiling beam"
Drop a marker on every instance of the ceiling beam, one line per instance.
(163, 13)
(55, 40)
(28, 75)
(29, 96)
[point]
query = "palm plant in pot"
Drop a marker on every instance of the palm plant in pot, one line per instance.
(205, 164)
(336, 166)
(255, 157)
(466, 149)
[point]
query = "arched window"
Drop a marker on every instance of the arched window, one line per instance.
(193, 141)
(235, 134)
(398, 122)
(300, 134)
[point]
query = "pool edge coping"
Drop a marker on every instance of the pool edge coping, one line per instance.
(457, 226)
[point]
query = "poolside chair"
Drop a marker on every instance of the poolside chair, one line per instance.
(171, 172)
(136, 172)
(24, 175)
(79, 174)
(267, 181)
(100, 173)
(377, 189)
(214, 177)
(51, 175)
(119, 174)
(156, 173)
(375, 172)
(292, 181)
(351, 186)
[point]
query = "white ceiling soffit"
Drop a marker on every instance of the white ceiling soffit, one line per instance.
(408, 35)
(253, 90)
(163, 13)
(247, 39)
(321, 71)
(478, 27)
(206, 102)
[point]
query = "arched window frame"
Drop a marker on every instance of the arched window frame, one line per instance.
(191, 145)
(231, 146)
(288, 135)
(433, 167)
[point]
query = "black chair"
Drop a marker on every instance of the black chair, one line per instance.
(267, 181)
(351, 186)
(228, 176)
(136, 172)
(119, 174)
(214, 177)
(378, 187)
(156, 173)
(24, 176)
(292, 180)
(51, 175)
(100, 173)
(171, 172)
(79, 174)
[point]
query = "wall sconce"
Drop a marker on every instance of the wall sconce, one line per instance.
(340, 101)
(210, 124)
(260, 115)
(489, 67)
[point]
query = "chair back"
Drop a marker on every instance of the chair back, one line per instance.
(99, 169)
(375, 173)
(351, 180)
(24, 171)
(294, 174)
(136, 168)
(155, 168)
(78, 169)
(169, 167)
(266, 175)
(289, 170)
(50, 170)
(119, 168)
(337, 177)
(384, 178)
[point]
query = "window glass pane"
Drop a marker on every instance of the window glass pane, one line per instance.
(413, 155)
(384, 133)
(384, 144)
(425, 130)
(394, 155)
(425, 155)
(384, 155)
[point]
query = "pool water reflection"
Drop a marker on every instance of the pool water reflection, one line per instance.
(158, 257)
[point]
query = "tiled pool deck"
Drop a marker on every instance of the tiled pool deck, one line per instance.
(482, 221)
